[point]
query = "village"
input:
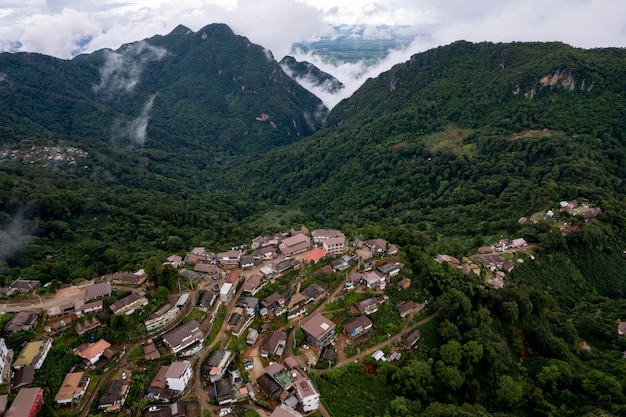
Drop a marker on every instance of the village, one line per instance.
(244, 331)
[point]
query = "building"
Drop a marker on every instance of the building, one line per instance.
(284, 411)
(229, 259)
(128, 305)
(178, 375)
(319, 330)
(24, 285)
(157, 389)
(411, 339)
(295, 244)
(357, 327)
(6, 356)
(334, 245)
(374, 280)
(227, 292)
(100, 290)
(158, 320)
(314, 293)
(81, 307)
(406, 307)
(33, 353)
(253, 284)
(273, 344)
(23, 376)
(113, 396)
(21, 322)
(215, 368)
(91, 352)
(308, 396)
(319, 236)
(314, 255)
(389, 269)
(296, 306)
(129, 278)
(27, 403)
(184, 336)
(72, 389)
(211, 270)
(206, 300)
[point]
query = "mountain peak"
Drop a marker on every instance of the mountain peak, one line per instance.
(217, 29)
(180, 30)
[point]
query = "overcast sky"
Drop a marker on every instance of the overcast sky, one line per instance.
(63, 28)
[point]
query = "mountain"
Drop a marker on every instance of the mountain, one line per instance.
(464, 140)
(207, 94)
(306, 72)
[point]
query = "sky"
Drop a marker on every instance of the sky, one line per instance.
(64, 28)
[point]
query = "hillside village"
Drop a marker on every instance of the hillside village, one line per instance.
(247, 327)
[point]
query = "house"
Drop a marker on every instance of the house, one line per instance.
(357, 327)
(239, 321)
(295, 244)
(405, 283)
(157, 389)
(174, 260)
(252, 337)
(91, 352)
(183, 336)
(518, 243)
(250, 304)
(128, 305)
(319, 331)
(227, 292)
(389, 270)
(113, 396)
(266, 253)
(182, 300)
(210, 270)
(23, 376)
(27, 403)
(178, 374)
(21, 322)
(234, 277)
(229, 259)
(215, 368)
(6, 356)
(406, 307)
(411, 339)
(163, 316)
(296, 306)
(81, 308)
(33, 353)
(273, 344)
(282, 266)
(367, 306)
(246, 262)
(100, 290)
(270, 387)
(308, 396)
(150, 351)
(374, 280)
(334, 245)
(319, 236)
(72, 389)
(222, 392)
(368, 264)
(313, 293)
(24, 285)
(206, 300)
(314, 255)
(379, 356)
(285, 411)
(377, 246)
(272, 302)
(253, 284)
(127, 278)
(621, 328)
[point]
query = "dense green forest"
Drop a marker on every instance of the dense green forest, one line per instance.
(200, 139)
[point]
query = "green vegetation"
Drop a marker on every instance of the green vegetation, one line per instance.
(442, 154)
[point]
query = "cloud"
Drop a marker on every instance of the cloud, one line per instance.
(13, 236)
(135, 131)
(122, 70)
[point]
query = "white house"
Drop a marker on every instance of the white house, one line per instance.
(309, 398)
(178, 375)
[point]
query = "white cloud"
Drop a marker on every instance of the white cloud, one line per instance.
(122, 69)
(135, 131)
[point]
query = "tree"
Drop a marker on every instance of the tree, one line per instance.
(451, 353)
(509, 391)
(414, 380)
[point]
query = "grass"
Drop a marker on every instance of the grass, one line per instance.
(217, 325)
(450, 140)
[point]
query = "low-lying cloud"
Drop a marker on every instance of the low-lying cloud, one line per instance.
(133, 132)
(122, 69)
(13, 236)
